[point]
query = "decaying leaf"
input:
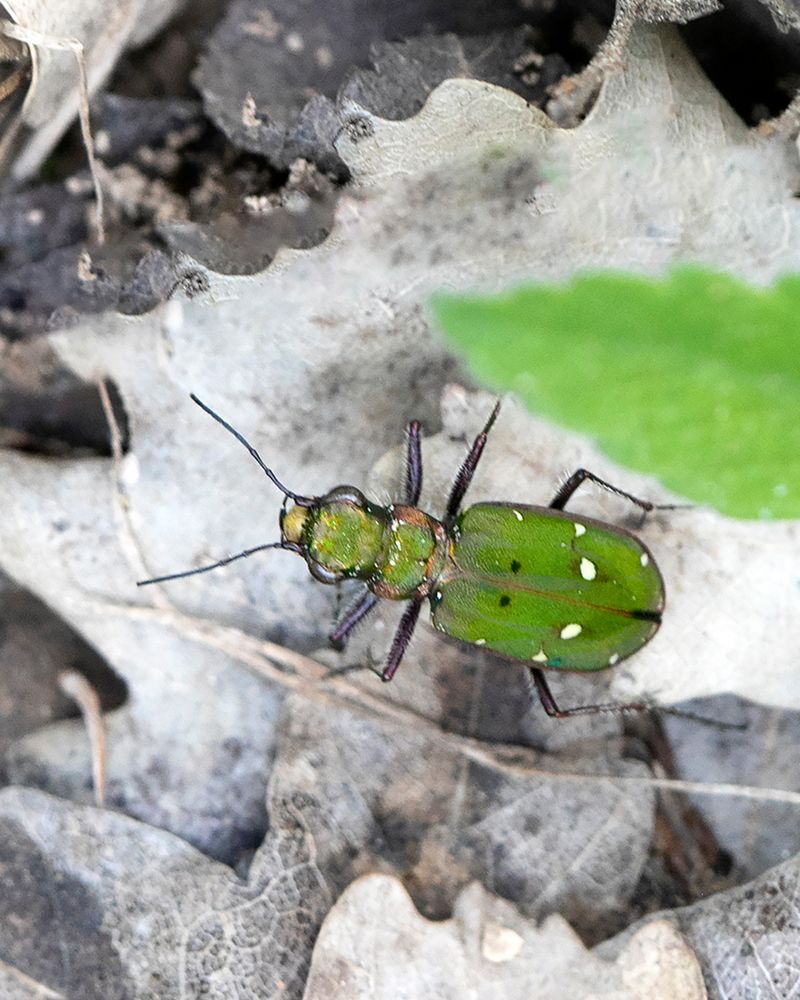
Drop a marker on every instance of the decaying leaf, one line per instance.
(17, 986)
(573, 94)
(133, 906)
(768, 756)
(274, 79)
(393, 796)
(102, 30)
(36, 646)
(374, 945)
(746, 939)
(97, 905)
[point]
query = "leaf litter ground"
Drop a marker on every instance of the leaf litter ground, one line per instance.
(192, 749)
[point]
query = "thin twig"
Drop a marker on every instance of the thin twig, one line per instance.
(128, 540)
(114, 433)
(77, 687)
(30, 36)
(302, 674)
(11, 83)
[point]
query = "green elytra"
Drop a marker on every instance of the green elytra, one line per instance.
(535, 584)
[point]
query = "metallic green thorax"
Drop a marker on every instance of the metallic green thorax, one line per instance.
(554, 589)
(398, 551)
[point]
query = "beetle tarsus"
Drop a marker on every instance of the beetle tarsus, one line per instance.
(552, 709)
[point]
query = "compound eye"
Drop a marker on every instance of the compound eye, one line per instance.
(322, 573)
(345, 494)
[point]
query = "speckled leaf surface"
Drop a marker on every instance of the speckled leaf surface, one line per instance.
(352, 791)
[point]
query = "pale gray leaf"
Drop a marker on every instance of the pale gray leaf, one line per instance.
(375, 946)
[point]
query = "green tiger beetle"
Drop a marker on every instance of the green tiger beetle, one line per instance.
(553, 590)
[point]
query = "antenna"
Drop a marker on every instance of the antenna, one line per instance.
(301, 501)
(289, 546)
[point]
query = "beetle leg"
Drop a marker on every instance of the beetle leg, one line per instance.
(357, 611)
(402, 637)
(552, 709)
(413, 465)
(468, 467)
(559, 501)
(372, 665)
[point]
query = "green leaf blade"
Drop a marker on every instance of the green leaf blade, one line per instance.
(694, 378)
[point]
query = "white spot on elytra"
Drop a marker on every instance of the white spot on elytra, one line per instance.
(517, 515)
(480, 642)
(588, 569)
(580, 529)
(571, 630)
(614, 658)
(644, 559)
(540, 657)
